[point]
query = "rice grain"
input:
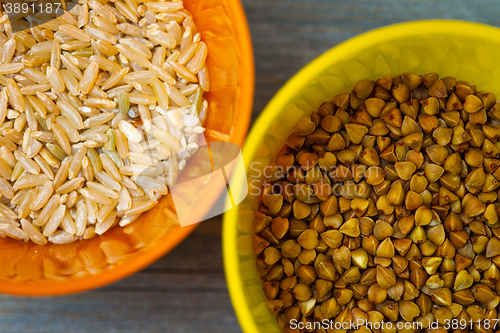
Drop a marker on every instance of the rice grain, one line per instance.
(124, 201)
(76, 162)
(62, 173)
(102, 227)
(137, 46)
(104, 24)
(56, 80)
(8, 50)
(80, 217)
(141, 99)
(33, 233)
(67, 224)
(87, 170)
(61, 138)
(74, 32)
(27, 163)
(128, 218)
(198, 59)
(70, 81)
(182, 71)
(5, 170)
(131, 55)
(95, 196)
(130, 131)
(62, 237)
(70, 185)
(12, 231)
(34, 146)
(16, 173)
(102, 188)
(15, 97)
(162, 74)
(106, 210)
(68, 128)
(142, 207)
(55, 55)
(106, 64)
(89, 232)
(44, 166)
(43, 196)
(164, 7)
(6, 189)
(11, 68)
(110, 167)
(53, 154)
(48, 103)
(101, 103)
(107, 180)
(54, 221)
(47, 211)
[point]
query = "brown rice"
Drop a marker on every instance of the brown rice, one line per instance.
(99, 110)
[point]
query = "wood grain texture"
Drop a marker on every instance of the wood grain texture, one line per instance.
(185, 291)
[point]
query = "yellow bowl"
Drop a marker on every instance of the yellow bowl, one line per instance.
(467, 51)
(31, 270)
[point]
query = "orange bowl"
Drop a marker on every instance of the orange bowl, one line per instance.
(32, 270)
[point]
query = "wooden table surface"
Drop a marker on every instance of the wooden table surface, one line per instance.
(186, 291)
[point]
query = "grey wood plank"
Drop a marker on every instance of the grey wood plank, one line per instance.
(185, 291)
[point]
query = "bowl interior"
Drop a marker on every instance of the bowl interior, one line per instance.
(460, 49)
(30, 269)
